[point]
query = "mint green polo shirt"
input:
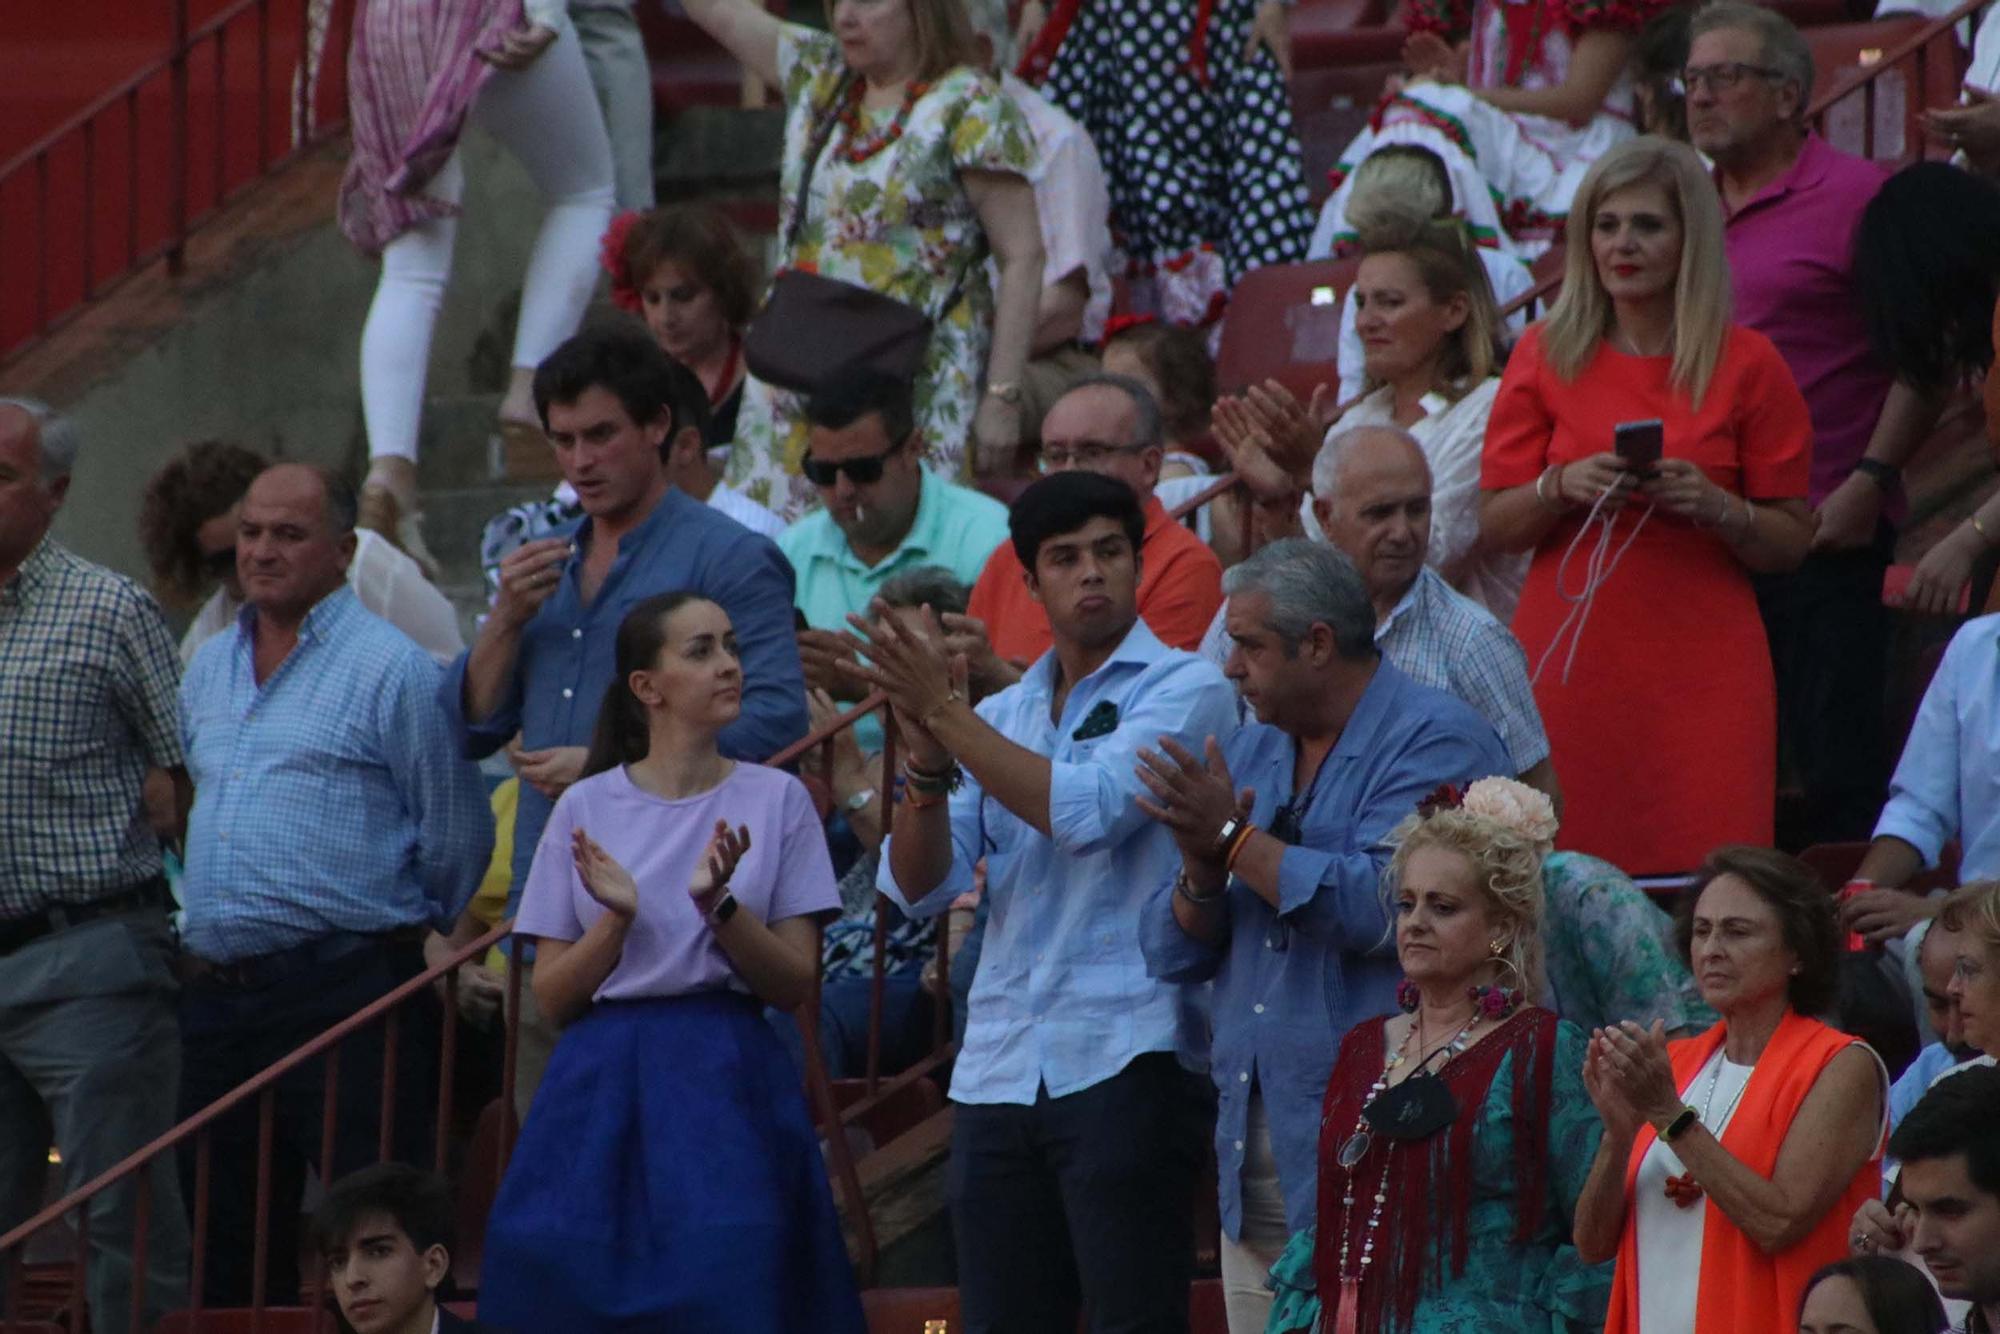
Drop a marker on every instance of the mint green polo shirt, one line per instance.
(955, 527)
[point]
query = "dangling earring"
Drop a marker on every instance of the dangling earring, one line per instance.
(1496, 1002)
(1407, 996)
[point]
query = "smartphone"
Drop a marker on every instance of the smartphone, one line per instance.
(1639, 444)
(1896, 588)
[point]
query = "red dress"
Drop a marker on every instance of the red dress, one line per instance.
(1664, 737)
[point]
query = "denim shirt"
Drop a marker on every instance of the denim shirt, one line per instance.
(1288, 984)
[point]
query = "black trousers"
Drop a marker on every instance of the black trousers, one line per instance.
(231, 1031)
(1829, 636)
(1083, 1200)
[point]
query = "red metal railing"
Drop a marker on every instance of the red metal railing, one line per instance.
(128, 179)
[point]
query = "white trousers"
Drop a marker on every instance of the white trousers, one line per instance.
(546, 116)
(1247, 1261)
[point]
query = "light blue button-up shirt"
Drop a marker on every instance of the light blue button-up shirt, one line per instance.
(1062, 997)
(330, 798)
(1289, 983)
(1947, 784)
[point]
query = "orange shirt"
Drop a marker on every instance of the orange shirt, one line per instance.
(1180, 587)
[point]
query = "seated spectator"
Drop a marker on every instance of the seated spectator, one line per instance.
(687, 273)
(1372, 500)
(1110, 425)
(1076, 1139)
(1642, 332)
(1949, 1146)
(1409, 179)
(1432, 358)
(673, 894)
(881, 511)
(1449, 1204)
(1937, 969)
(187, 525)
(334, 828)
(1928, 297)
(1870, 1294)
(87, 713)
(1175, 365)
(847, 954)
(1610, 952)
(545, 654)
(387, 1234)
(1718, 1192)
(1944, 789)
(1659, 98)
(1526, 97)
(1302, 864)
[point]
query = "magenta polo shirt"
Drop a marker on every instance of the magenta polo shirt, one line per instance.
(1791, 257)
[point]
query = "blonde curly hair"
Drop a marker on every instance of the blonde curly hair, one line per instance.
(1505, 833)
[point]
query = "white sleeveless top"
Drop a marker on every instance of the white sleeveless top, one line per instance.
(1669, 1237)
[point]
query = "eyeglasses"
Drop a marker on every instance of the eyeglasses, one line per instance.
(861, 471)
(218, 564)
(1057, 455)
(1721, 78)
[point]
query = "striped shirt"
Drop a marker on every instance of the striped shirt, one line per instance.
(332, 797)
(87, 677)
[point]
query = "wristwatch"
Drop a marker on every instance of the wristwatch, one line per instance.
(1884, 475)
(1227, 834)
(724, 909)
(1007, 391)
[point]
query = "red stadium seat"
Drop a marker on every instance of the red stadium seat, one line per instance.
(1330, 106)
(1283, 324)
(1929, 77)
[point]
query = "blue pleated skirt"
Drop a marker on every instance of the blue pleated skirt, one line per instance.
(668, 1179)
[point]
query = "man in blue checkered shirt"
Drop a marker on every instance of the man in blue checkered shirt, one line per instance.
(335, 826)
(88, 1053)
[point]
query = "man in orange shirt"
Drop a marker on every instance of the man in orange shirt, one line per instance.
(1107, 424)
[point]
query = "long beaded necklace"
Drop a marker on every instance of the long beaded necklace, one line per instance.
(1684, 1190)
(1355, 1148)
(858, 145)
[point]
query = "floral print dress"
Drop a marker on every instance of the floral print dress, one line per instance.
(899, 222)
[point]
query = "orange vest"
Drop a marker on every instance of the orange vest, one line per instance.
(1743, 1290)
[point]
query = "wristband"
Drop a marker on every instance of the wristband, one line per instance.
(1884, 475)
(1185, 889)
(1236, 847)
(1677, 1127)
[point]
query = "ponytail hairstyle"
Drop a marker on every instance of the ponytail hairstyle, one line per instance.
(623, 733)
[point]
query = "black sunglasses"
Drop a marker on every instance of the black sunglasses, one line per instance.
(219, 564)
(859, 471)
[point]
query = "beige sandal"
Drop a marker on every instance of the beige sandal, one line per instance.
(525, 452)
(381, 511)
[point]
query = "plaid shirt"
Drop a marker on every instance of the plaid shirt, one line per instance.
(1449, 642)
(87, 703)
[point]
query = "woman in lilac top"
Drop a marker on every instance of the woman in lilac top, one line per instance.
(668, 1176)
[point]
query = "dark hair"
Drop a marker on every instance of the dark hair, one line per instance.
(1659, 54)
(687, 402)
(925, 585)
(702, 241)
(1178, 361)
(189, 489)
(1956, 1116)
(1064, 502)
(861, 392)
(419, 1202)
(1926, 272)
(1803, 907)
(623, 733)
(621, 357)
(1899, 1299)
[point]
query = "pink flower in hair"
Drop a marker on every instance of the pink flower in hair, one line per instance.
(1514, 806)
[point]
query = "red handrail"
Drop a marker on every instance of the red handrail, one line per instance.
(78, 209)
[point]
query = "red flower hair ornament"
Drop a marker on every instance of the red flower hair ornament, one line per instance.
(611, 255)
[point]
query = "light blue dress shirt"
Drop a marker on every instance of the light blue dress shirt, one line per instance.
(332, 797)
(1947, 785)
(568, 652)
(1062, 997)
(1288, 984)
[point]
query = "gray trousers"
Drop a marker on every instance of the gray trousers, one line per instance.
(623, 78)
(90, 1060)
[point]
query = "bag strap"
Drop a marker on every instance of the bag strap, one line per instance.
(827, 118)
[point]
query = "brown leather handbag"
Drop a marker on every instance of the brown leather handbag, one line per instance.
(813, 330)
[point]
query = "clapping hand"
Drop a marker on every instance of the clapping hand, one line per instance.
(1191, 798)
(1637, 1069)
(911, 665)
(608, 882)
(519, 48)
(718, 862)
